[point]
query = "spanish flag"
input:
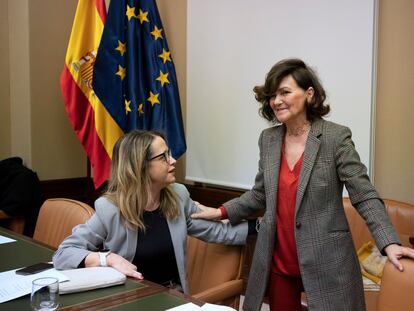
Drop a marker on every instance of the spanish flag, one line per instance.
(94, 126)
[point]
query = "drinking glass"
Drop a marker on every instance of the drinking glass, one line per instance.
(45, 294)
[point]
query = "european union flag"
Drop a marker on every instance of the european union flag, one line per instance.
(134, 75)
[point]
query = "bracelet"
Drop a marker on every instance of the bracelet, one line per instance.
(102, 257)
(257, 227)
(223, 213)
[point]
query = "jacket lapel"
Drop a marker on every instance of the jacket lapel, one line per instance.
(178, 232)
(271, 167)
(309, 157)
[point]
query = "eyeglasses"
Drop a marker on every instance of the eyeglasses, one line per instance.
(166, 154)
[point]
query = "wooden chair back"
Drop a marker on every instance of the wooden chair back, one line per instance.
(57, 218)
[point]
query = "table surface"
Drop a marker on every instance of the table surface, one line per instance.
(133, 295)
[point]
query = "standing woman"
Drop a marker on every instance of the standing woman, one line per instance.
(141, 223)
(304, 242)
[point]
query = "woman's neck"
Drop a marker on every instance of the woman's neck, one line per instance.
(298, 129)
(155, 200)
(152, 207)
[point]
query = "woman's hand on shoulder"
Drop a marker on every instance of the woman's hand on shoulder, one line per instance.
(206, 212)
(395, 252)
(124, 266)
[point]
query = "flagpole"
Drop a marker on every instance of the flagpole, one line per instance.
(89, 186)
(88, 169)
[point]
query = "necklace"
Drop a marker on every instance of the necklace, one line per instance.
(152, 207)
(300, 130)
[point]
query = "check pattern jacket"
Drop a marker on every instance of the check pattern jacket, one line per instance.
(328, 262)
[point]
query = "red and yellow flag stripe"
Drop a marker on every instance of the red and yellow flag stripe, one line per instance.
(94, 126)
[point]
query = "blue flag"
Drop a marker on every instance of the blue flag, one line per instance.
(134, 75)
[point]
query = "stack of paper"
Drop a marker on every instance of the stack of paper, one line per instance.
(13, 285)
(206, 307)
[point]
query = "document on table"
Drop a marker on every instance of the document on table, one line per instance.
(4, 239)
(13, 285)
(206, 307)
(211, 307)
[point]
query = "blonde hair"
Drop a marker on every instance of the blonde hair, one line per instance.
(129, 185)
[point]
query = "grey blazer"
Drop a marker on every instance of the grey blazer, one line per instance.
(106, 230)
(328, 263)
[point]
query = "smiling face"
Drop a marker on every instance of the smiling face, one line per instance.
(161, 168)
(289, 102)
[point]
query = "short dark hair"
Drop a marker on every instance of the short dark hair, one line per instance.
(304, 76)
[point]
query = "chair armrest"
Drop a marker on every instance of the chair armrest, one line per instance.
(221, 292)
(397, 287)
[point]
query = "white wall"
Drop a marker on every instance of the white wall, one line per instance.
(231, 46)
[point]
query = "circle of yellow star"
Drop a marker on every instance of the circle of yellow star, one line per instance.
(156, 33)
(130, 12)
(121, 72)
(153, 99)
(127, 106)
(143, 16)
(165, 55)
(163, 78)
(121, 48)
(141, 109)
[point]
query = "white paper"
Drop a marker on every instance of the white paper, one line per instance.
(13, 285)
(4, 239)
(206, 307)
(186, 307)
(211, 307)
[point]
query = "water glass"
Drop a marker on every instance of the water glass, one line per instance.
(45, 294)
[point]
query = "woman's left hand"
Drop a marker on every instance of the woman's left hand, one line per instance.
(395, 252)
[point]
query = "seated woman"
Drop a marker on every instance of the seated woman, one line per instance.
(142, 221)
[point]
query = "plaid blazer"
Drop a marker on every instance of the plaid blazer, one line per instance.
(328, 262)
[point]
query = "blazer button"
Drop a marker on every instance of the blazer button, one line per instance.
(298, 224)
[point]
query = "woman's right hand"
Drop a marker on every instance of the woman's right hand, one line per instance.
(206, 212)
(115, 261)
(124, 266)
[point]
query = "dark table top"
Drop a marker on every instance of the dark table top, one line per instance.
(133, 295)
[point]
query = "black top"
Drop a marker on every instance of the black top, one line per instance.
(154, 256)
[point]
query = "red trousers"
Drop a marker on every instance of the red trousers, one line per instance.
(285, 292)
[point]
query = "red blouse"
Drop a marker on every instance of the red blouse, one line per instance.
(285, 257)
